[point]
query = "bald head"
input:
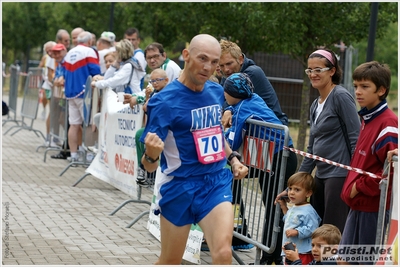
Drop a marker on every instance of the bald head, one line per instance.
(159, 72)
(202, 41)
(75, 32)
(201, 57)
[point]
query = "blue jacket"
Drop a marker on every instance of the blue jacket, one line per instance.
(255, 108)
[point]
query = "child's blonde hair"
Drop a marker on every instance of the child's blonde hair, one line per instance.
(111, 53)
(329, 233)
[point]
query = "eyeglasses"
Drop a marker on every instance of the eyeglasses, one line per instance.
(157, 80)
(316, 71)
(153, 57)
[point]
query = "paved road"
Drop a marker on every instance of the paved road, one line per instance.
(46, 221)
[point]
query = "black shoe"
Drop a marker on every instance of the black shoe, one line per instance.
(143, 182)
(60, 155)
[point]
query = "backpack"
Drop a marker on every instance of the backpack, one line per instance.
(135, 65)
(142, 80)
(4, 108)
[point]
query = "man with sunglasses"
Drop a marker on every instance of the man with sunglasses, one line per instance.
(157, 58)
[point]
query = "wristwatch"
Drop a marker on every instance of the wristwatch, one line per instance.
(150, 160)
(234, 154)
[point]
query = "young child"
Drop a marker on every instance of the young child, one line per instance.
(109, 59)
(324, 236)
(301, 219)
(158, 80)
(378, 135)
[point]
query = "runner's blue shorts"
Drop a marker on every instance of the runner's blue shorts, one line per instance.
(188, 200)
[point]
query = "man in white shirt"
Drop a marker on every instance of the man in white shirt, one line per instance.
(157, 58)
(132, 34)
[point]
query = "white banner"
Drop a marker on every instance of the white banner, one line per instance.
(116, 162)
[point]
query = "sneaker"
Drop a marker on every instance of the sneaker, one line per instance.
(53, 144)
(43, 115)
(73, 160)
(79, 158)
(57, 141)
(89, 157)
(93, 149)
(141, 175)
(243, 247)
(144, 183)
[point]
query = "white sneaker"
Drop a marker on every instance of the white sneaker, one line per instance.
(53, 144)
(79, 158)
(93, 149)
(89, 157)
(43, 115)
(57, 141)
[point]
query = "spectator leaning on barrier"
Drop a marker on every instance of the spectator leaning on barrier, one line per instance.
(80, 62)
(132, 35)
(59, 51)
(127, 78)
(378, 135)
(233, 60)
(156, 57)
(47, 64)
(193, 189)
(63, 37)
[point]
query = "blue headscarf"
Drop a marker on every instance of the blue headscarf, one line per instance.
(239, 85)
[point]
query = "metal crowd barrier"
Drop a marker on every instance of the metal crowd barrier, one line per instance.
(30, 101)
(13, 95)
(152, 178)
(256, 218)
(390, 177)
(58, 121)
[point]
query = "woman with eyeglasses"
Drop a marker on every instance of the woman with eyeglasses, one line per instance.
(334, 129)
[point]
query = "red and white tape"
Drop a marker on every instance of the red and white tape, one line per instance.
(311, 156)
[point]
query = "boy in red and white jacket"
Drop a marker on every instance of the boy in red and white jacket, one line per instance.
(378, 135)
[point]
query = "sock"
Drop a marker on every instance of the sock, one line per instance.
(74, 155)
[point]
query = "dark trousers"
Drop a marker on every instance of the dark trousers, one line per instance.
(327, 202)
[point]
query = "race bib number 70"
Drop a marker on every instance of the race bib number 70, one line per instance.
(209, 145)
